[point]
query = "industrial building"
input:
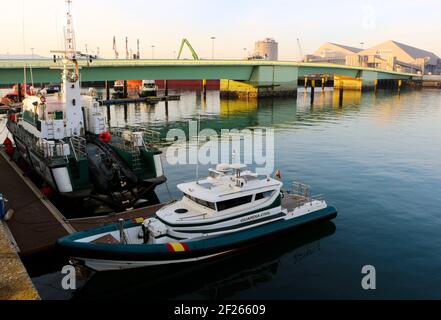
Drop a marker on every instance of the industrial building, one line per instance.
(390, 55)
(332, 53)
(267, 49)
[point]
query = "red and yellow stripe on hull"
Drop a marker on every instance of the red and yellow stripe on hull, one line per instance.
(177, 247)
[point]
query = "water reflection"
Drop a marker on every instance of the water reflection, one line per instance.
(220, 114)
(219, 279)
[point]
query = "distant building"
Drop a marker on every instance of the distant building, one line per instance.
(332, 53)
(392, 55)
(267, 49)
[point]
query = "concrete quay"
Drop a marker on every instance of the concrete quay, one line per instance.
(15, 283)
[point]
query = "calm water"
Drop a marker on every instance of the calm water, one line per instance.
(376, 158)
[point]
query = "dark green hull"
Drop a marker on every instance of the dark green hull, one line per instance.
(194, 249)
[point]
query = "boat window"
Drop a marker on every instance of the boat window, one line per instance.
(225, 205)
(201, 202)
(264, 195)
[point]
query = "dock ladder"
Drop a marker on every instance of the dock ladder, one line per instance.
(136, 161)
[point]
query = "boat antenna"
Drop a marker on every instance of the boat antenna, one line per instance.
(24, 52)
(197, 148)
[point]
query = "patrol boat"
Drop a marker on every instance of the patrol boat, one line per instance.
(64, 138)
(229, 210)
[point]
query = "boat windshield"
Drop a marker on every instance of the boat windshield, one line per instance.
(201, 202)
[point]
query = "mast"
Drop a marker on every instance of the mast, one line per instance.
(115, 50)
(127, 48)
(71, 85)
(69, 34)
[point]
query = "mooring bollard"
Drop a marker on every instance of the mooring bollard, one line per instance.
(340, 98)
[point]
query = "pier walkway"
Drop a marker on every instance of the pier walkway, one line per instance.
(15, 283)
(35, 222)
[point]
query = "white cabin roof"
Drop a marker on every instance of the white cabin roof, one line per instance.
(224, 187)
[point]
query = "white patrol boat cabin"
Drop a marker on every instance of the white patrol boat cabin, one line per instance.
(230, 199)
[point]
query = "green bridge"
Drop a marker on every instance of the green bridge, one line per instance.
(266, 76)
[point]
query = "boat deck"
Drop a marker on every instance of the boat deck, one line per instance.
(88, 223)
(36, 224)
(291, 201)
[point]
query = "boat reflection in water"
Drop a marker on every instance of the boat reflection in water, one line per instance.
(217, 279)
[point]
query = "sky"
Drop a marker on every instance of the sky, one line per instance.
(236, 24)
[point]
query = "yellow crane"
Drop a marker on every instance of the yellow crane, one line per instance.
(193, 53)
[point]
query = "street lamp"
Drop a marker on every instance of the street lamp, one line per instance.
(32, 50)
(245, 53)
(212, 47)
(362, 45)
(153, 52)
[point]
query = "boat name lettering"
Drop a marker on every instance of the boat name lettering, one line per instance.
(254, 217)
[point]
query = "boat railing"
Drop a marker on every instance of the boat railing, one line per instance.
(51, 151)
(301, 189)
(78, 145)
(300, 194)
(150, 137)
(55, 151)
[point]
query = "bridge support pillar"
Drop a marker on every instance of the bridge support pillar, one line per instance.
(275, 81)
(125, 89)
(369, 80)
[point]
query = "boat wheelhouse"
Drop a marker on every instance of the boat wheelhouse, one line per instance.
(119, 90)
(148, 89)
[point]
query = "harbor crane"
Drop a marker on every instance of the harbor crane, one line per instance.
(299, 45)
(193, 52)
